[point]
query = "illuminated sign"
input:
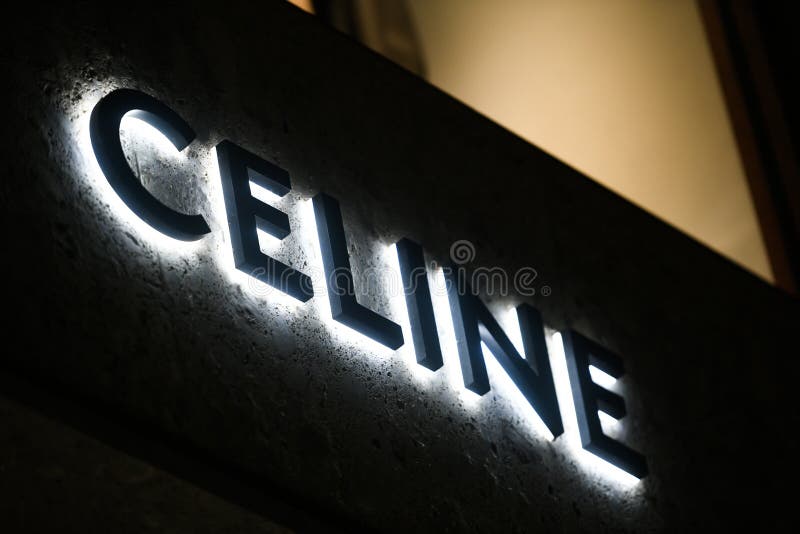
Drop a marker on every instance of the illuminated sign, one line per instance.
(472, 322)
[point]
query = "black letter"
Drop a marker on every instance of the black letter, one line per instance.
(418, 302)
(246, 214)
(341, 290)
(532, 375)
(590, 397)
(104, 130)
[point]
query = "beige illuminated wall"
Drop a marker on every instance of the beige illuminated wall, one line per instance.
(623, 90)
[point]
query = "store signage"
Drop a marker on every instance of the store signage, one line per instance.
(473, 323)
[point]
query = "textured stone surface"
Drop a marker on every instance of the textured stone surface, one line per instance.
(170, 335)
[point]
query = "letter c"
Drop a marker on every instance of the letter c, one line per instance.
(104, 130)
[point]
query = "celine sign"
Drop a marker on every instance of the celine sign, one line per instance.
(472, 321)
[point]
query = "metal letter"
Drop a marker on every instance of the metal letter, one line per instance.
(341, 289)
(246, 214)
(473, 324)
(589, 397)
(104, 131)
(418, 302)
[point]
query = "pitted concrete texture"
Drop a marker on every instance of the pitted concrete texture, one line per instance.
(170, 334)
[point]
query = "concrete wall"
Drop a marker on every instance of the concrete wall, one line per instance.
(170, 343)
